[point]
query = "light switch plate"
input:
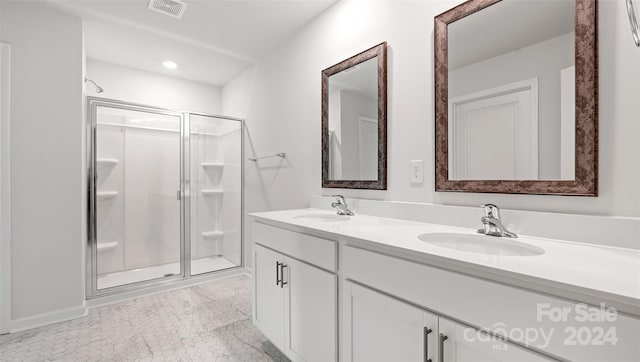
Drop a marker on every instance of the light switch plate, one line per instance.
(417, 171)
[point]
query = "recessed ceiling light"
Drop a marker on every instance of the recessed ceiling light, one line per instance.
(169, 64)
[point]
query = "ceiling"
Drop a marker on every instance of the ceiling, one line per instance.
(505, 27)
(112, 43)
(213, 42)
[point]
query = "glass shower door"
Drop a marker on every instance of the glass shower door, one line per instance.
(215, 154)
(165, 196)
(137, 205)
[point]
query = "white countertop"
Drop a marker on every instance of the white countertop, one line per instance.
(581, 272)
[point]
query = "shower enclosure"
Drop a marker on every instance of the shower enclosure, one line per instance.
(165, 195)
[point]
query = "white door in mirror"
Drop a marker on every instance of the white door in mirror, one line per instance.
(494, 134)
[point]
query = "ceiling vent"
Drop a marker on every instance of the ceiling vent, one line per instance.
(174, 8)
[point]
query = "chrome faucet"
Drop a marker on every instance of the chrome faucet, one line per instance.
(493, 224)
(341, 206)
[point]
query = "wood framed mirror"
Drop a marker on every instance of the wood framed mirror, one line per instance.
(354, 121)
(516, 97)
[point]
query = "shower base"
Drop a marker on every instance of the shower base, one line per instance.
(198, 266)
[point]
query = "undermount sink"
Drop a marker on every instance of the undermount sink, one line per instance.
(323, 217)
(481, 244)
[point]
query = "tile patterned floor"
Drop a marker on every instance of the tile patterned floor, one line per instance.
(208, 322)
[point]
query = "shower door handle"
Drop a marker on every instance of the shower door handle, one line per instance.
(178, 195)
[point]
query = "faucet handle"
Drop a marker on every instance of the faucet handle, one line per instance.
(340, 199)
(491, 210)
(341, 205)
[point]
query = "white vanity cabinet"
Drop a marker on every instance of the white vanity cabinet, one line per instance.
(501, 309)
(381, 328)
(295, 302)
(393, 307)
(459, 343)
(377, 327)
(268, 308)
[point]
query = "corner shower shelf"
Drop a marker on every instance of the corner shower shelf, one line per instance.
(212, 192)
(212, 165)
(107, 246)
(107, 162)
(106, 195)
(212, 235)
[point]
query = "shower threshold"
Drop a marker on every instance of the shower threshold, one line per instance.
(198, 266)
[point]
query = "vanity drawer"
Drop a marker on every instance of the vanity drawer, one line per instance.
(505, 310)
(311, 249)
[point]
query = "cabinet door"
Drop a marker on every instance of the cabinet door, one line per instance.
(377, 327)
(311, 313)
(268, 299)
(465, 344)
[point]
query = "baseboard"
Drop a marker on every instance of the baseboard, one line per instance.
(62, 315)
(39, 320)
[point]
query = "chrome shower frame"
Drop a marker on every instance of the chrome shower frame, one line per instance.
(91, 252)
(633, 21)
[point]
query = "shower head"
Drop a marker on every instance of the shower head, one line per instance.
(99, 89)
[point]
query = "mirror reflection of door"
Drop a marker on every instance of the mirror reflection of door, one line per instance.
(353, 122)
(494, 134)
(489, 52)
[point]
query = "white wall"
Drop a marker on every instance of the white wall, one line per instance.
(284, 112)
(46, 160)
(237, 92)
(5, 191)
(544, 61)
(135, 86)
